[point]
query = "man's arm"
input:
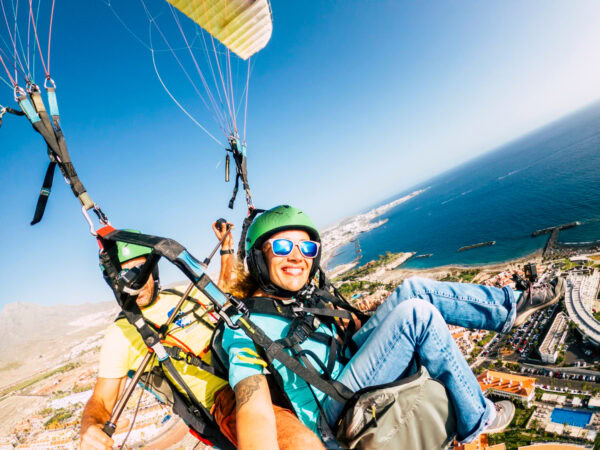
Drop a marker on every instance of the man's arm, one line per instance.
(228, 259)
(97, 411)
(256, 428)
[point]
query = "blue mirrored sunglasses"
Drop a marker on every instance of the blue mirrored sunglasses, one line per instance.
(283, 247)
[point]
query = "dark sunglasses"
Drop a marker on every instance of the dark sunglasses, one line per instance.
(283, 247)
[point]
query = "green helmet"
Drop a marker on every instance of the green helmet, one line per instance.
(127, 252)
(280, 218)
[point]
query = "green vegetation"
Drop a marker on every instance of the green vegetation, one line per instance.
(355, 287)
(513, 366)
(486, 339)
(46, 411)
(82, 388)
(367, 269)
(463, 276)
(597, 314)
(38, 378)
(59, 416)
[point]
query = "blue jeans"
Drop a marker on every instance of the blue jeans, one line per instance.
(405, 325)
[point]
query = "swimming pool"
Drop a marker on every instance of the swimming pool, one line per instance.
(570, 416)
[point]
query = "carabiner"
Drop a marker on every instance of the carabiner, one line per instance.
(48, 79)
(19, 92)
(89, 221)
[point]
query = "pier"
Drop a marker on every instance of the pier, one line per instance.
(566, 226)
(426, 255)
(481, 244)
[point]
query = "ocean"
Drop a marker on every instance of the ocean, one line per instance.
(546, 178)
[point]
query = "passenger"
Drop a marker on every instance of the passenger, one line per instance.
(123, 350)
(283, 252)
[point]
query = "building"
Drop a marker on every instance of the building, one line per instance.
(507, 385)
(594, 403)
(554, 446)
(554, 339)
(480, 443)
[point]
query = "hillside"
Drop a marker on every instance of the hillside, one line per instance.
(36, 337)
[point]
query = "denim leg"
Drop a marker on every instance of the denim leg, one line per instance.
(417, 327)
(462, 304)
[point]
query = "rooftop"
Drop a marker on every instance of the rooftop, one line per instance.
(507, 382)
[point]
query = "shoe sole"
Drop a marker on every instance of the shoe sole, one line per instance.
(520, 320)
(503, 427)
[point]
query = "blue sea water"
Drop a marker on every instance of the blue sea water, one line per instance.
(572, 417)
(549, 177)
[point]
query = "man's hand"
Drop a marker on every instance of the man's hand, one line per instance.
(95, 438)
(227, 261)
(97, 412)
(220, 229)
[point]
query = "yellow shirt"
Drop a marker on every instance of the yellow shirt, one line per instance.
(123, 348)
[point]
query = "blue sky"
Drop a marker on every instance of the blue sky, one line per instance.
(350, 103)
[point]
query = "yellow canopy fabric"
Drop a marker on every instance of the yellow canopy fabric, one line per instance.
(243, 26)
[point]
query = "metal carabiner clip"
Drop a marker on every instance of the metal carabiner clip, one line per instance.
(101, 217)
(19, 92)
(51, 81)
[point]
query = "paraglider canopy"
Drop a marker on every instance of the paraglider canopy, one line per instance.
(243, 26)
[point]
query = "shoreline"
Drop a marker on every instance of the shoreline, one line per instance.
(394, 274)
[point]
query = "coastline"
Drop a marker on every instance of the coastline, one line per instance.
(347, 230)
(397, 274)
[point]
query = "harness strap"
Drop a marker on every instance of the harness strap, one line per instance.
(241, 172)
(7, 109)
(274, 350)
(57, 149)
(252, 213)
(40, 206)
(179, 354)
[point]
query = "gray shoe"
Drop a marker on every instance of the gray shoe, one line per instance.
(538, 297)
(505, 411)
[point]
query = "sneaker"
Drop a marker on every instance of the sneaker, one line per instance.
(538, 297)
(505, 411)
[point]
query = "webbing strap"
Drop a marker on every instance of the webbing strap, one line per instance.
(57, 149)
(252, 213)
(274, 350)
(241, 173)
(40, 207)
(6, 109)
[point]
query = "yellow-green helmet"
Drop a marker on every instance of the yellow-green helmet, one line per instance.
(280, 218)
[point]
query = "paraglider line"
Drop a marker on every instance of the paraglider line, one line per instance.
(6, 82)
(179, 104)
(205, 84)
(151, 20)
(227, 121)
(135, 36)
(16, 30)
(246, 101)
(49, 34)
(16, 58)
(221, 75)
(38, 40)
(211, 68)
(7, 71)
(231, 89)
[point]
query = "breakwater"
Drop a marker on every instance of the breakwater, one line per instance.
(472, 246)
(566, 226)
